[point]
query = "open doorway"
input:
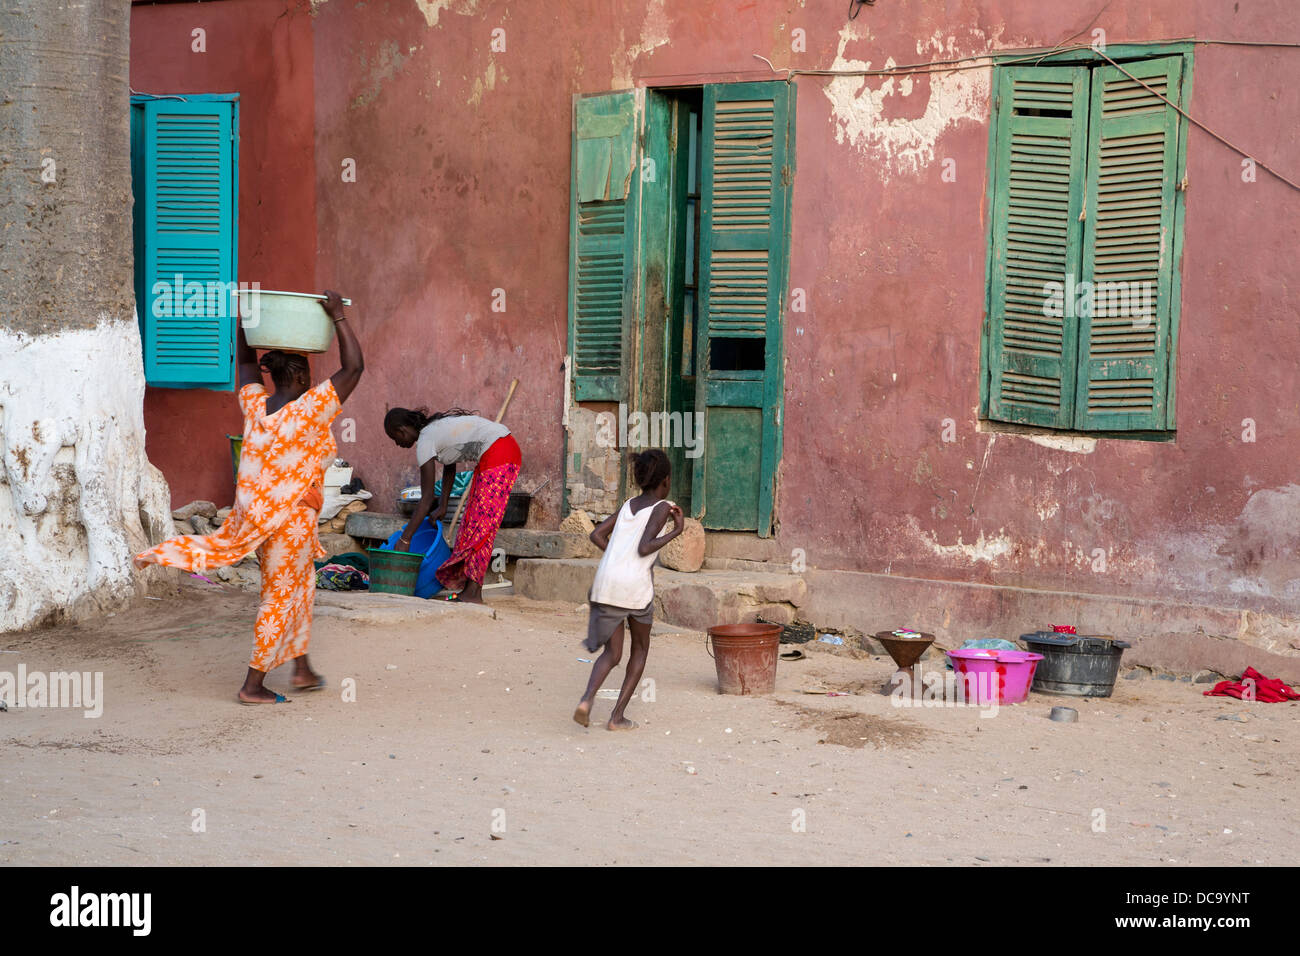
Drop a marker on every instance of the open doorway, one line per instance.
(682, 299)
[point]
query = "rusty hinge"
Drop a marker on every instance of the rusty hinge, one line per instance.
(786, 177)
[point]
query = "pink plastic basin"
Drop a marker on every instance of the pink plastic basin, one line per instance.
(993, 675)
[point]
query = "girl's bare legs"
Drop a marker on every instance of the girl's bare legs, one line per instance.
(632, 677)
(599, 671)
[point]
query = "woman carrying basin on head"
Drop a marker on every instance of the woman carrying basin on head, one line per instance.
(278, 495)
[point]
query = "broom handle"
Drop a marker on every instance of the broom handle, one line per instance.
(451, 528)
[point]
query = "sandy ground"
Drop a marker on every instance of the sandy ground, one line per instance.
(461, 731)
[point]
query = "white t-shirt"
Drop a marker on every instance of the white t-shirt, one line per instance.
(460, 438)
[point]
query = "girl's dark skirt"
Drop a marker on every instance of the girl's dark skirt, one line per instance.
(604, 620)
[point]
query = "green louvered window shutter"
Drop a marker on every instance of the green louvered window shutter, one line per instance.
(747, 173)
(601, 241)
(1038, 196)
(185, 187)
(1128, 251)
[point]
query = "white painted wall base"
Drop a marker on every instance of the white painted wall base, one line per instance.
(78, 496)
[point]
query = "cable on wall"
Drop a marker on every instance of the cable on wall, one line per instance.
(985, 60)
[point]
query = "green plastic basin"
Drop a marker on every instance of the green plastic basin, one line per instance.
(394, 572)
(285, 320)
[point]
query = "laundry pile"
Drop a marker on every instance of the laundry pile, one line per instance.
(1254, 686)
(345, 494)
(344, 572)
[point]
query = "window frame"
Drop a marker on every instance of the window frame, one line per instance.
(1122, 54)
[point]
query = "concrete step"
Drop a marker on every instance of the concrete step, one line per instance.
(742, 564)
(516, 542)
(696, 600)
(745, 546)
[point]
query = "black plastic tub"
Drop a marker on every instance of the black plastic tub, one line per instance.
(1075, 665)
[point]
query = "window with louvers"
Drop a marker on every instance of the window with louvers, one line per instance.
(184, 175)
(601, 242)
(599, 276)
(1080, 312)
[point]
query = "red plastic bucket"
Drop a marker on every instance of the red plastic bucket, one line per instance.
(745, 657)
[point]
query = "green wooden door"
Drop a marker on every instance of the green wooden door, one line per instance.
(746, 174)
(185, 176)
(602, 242)
(1128, 250)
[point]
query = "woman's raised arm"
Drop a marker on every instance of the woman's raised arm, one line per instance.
(353, 362)
(250, 373)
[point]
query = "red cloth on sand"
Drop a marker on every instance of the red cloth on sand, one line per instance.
(1254, 685)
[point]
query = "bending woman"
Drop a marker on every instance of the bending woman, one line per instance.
(452, 437)
(278, 496)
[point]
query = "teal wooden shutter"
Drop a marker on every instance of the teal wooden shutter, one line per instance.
(745, 202)
(602, 241)
(1124, 358)
(185, 191)
(1039, 166)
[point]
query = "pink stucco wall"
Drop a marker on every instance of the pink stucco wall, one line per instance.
(462, 159)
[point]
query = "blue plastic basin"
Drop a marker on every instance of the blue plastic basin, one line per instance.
(428, 541)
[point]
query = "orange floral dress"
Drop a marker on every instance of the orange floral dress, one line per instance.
(278, 497)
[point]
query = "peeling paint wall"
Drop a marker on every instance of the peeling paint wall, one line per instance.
(895, 121)
(892, 257)
(431, 10)
(462, 155)
(594, 466)
(652, 34)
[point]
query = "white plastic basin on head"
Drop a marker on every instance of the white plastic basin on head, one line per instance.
(285, 320)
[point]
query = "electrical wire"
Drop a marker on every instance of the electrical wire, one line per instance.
(1195, 122)
(159, 96)
(855, 7)
(979, 61)
(985, 60)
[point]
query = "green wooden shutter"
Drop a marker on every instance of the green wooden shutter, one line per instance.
(602, 247)
(1038, 168)
(1124, 361)
(187, 213)
(745, 198)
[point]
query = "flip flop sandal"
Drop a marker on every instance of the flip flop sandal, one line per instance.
(794, 656)
(279, 699)
(319, 685)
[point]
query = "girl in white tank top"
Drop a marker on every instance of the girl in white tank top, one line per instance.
(622, 594)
